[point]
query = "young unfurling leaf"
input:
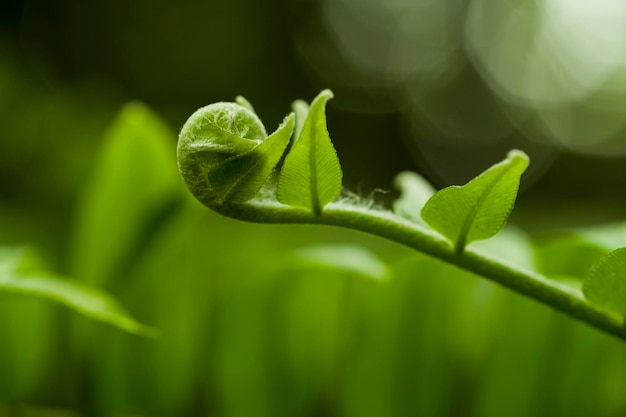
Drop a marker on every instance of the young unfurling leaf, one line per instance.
(415, 191)
(605, 285)
(242, 101)
(225, 155)
(479, 209)
(240, 177)
(311, 175)
(301, 109)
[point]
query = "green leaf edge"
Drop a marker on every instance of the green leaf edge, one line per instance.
(597, 275)
(39, 285)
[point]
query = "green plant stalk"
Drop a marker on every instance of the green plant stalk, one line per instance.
(213, 134)
(387, 225)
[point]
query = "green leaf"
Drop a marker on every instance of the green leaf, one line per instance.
(605, 285)
(301, 109)
(311, 175)
(511, 245)
(242, 101)
(83, 299)
(569, 255)
(479, 209)
(240, 177)
(608, 236)
(133, 187)
(19, 275)
(348, 258)
(415, 191)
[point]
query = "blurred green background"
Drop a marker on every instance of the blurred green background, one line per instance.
(276, 321)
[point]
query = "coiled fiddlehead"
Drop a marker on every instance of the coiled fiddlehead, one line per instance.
(225, 155)
(227, 160)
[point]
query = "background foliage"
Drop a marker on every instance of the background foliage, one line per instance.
(268, 320)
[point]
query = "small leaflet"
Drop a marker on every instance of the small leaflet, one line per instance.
(311, 175)
(605, 285)
(301, 109)
(479, 209)
(415, 191)
(242, 101)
